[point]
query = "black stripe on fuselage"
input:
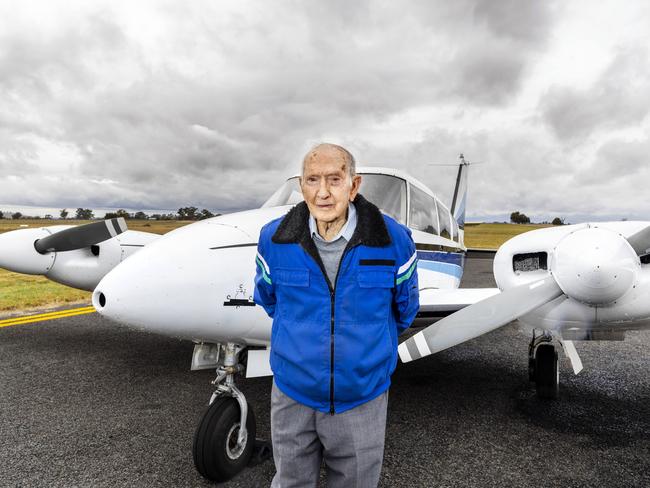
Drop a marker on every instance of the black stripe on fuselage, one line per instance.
(235, 245)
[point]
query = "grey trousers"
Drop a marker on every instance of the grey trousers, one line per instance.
(351, 443)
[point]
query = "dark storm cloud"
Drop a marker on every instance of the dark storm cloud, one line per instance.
(620, 98)
(231, 101)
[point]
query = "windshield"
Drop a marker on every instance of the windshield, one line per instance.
(387, 192)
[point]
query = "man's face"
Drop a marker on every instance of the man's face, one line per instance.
(326, 185)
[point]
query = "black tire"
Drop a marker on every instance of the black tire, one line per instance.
(212, 458)
(532, 376)
(546, 371)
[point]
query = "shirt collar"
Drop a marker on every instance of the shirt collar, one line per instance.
(346, 231)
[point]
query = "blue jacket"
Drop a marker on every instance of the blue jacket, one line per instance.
(335, 347)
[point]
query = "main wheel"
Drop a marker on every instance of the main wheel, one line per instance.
(532, 375)
(547, 373)
(217, 454)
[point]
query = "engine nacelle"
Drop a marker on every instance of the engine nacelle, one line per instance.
(18, 254)
(84, 268)
(603, 280)
(81, 268)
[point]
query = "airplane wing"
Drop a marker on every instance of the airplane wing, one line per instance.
(479, 318)
(437, 303)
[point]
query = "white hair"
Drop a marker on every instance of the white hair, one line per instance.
(347, 156)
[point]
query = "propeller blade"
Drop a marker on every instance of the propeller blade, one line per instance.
(640, 242)
(81, 236)
(479, 318)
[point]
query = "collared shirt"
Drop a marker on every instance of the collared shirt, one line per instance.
(331, 251)
(346, 231)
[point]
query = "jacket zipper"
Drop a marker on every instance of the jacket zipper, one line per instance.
(332, 347)
(331, 287)
(332, 300)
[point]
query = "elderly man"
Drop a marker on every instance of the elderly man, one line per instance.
(339, 280)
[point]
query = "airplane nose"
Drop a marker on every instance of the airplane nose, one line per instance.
(172, 285)
(98, 300)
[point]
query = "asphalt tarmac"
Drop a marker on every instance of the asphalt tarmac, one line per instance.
(87, 403)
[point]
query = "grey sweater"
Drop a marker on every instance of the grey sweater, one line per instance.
(331, 252)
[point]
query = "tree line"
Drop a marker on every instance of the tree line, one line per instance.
(521, 218)
(183, 213)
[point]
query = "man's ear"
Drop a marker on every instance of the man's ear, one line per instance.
(356, 183)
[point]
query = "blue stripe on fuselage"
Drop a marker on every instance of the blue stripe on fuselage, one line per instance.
(450, 263)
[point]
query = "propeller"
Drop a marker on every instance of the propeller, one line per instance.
(640, 241)
(81, 236)
(479, 318)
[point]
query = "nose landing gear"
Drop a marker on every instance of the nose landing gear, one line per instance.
(224, 442)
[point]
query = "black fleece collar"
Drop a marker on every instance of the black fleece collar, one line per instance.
(370, 230)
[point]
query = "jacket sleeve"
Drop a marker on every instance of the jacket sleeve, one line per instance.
(407, 294)
(264, 289)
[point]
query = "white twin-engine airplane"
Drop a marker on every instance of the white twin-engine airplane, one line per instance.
(574, 282)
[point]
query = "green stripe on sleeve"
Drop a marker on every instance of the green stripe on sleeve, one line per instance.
(266, 277)
(408, 274)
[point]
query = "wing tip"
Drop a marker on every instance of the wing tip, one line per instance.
(403, 352)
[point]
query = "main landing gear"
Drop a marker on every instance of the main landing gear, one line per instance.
(543, 366)
(224, 442)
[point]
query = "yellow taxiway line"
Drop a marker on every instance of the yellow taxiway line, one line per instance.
(46, 316)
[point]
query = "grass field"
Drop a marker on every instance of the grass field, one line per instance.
(491, 236)
(23, 292)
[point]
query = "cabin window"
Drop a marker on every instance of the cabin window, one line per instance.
(423, 215)
(288, 194)
(446, 229)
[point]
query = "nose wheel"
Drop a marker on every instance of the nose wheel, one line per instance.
(543, 367)
(224, 442)
(219, 452)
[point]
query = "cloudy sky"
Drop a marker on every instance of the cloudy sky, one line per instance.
(158, 105)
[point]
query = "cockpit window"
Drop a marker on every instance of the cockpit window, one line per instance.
(288, 194)
(385, 191)
(423, 215)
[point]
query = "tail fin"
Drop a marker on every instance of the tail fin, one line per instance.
(459, 201)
